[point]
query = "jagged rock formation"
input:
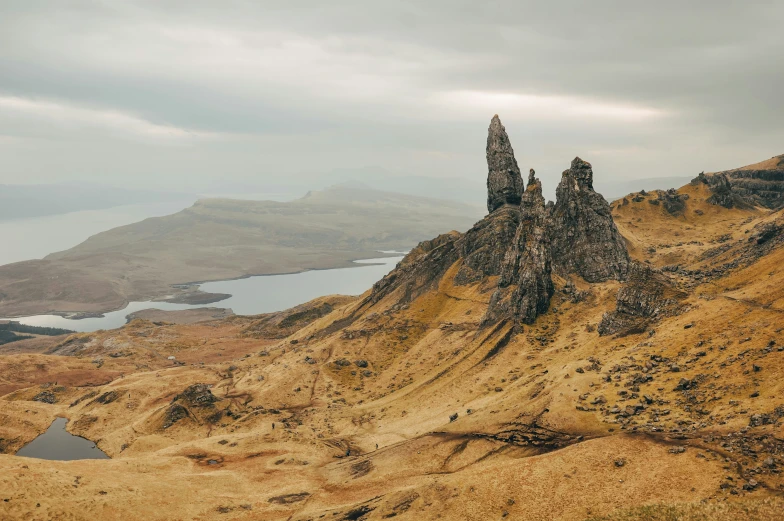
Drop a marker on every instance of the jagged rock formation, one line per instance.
(722, 193)
(504, 182)
(525, 285)
(756, 185)
(522, 241)
(673, 202)
(647, 296)
(585, 239)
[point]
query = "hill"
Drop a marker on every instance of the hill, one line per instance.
(219, 239)
(571, 361)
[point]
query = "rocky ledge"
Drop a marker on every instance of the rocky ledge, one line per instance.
(758, 185)
(647, 296)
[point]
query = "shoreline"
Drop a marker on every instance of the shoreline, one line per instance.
(81, 315)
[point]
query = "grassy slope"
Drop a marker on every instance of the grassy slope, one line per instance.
(534, 446)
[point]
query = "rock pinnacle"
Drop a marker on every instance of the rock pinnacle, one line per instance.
(504, 182)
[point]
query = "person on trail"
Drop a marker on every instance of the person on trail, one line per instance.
(273, 426)
(348, 452)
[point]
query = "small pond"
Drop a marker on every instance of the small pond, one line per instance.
(58, 444)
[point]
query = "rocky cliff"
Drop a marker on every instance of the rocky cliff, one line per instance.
(525, 285)
(585, 239)
(521, 242)
(760, 184)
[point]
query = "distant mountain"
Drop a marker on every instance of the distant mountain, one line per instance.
(23, 201)
(612, 190)
(377, 178)
(449, 188)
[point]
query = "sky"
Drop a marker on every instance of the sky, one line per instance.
(196, 94)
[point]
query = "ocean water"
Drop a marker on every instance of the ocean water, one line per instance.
(37, 237)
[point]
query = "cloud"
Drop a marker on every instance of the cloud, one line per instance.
(533, 107)
(68, 117)
(266, 90)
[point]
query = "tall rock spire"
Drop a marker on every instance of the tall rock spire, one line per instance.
(585, 239)
(504, 182)
(525, 285)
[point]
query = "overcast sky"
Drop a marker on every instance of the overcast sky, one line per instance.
(168, 93)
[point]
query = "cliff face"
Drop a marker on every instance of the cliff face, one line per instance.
(761, 184)
(525, 285)
(585, 239)
(479, 246)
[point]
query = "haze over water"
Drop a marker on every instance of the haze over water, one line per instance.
(37, 237)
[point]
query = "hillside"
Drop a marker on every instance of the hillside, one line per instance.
(574, 361)
(218, 239)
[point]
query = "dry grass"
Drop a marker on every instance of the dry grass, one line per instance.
(770, 509)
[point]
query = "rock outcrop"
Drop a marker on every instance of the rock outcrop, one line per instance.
(196, 401)
(647, 296)
(419, 271)
(504, 182)
(585, 239)
(525, 285)
(522, 242)
(483, 247)
(673, 202)
(722, 193)
(756, 185)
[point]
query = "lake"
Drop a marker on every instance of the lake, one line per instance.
(249, 296)
(58, 444)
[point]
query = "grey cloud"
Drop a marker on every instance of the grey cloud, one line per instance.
(313, 86)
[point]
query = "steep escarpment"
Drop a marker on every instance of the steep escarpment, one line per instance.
(760, 184)
(516, 249)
